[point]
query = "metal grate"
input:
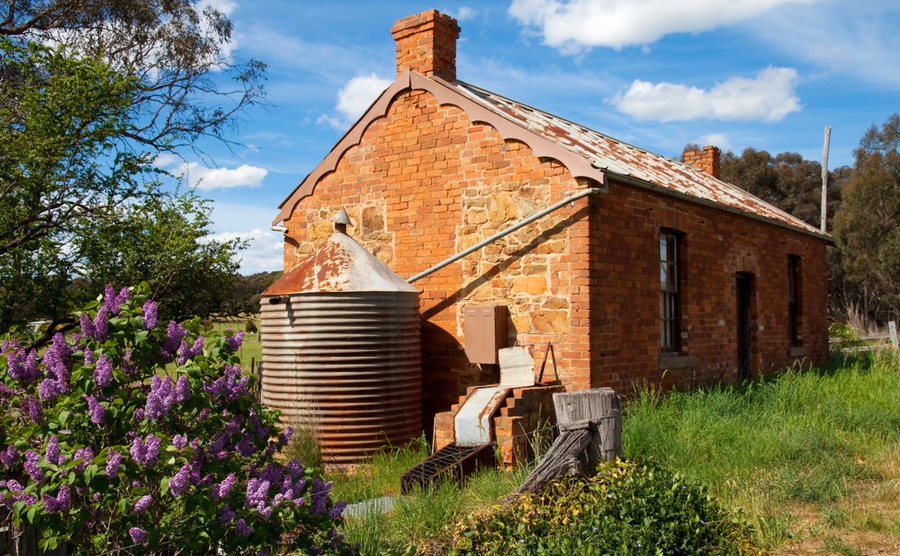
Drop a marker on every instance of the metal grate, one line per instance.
(450, 462)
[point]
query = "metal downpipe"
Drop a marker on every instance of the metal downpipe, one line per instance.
(505, 232)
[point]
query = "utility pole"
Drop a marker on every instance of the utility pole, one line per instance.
(824, 222)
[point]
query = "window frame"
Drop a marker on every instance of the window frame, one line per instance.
(671, 248)
(794, 299)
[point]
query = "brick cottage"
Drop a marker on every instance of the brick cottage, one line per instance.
(656, 271)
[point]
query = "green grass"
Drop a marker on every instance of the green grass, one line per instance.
(778, 447)
(812, 460)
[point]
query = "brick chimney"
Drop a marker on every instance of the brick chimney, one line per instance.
(706, 160)
(426, 43)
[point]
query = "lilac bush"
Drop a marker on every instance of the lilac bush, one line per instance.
(140, 437)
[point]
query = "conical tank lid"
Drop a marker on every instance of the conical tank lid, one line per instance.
(340, 264)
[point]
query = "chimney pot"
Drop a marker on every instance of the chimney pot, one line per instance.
(426, 43)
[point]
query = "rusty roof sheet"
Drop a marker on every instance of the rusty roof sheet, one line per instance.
(340, 264)
(630, 163)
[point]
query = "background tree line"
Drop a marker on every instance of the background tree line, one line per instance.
(863, 216)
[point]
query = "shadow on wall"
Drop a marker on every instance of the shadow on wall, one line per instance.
(446, 372)
(504, 264)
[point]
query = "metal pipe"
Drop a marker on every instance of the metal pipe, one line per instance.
(505, 232)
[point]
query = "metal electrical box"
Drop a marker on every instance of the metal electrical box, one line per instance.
(485, 332)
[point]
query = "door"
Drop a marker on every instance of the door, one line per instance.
(744, 318)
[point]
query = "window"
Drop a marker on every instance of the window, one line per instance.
(796, 337)
(669, 296)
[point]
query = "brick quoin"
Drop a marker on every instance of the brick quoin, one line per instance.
(425, 181)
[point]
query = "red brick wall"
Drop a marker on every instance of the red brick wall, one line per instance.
(715, 247)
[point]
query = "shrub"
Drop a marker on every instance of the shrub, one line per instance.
(135, 436)
(626, 508)
(843, 336)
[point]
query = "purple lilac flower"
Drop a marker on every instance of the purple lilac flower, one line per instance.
(175, 333)
(113, 302)
(294, 468)
(286, 435)
(32, 406)
(145, 452)
(338, 509)
(142, 504)
(234, 342)
(149, 311)
(182, 389)
(101, 325)
(230, 386)
(138, 535)
(60, 503)
(139, 415)
(86, 455)
(129, 367)
(58, 357)
(242, 529)
(52, 451)
(160, 399)
(95, 409)
(89, 358)
(203, 415)
(9, 457)
(21, 365)
(179, 441)
(186, 352)
(87, 327)
(49, 388)
(103, 372)
(179, 483)
(32, 467)
(319, 492)
(226, 514)
(245, 446)
(256, 492)
(262, 432)
(223, 489)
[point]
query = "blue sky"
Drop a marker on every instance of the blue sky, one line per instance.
(767, 74)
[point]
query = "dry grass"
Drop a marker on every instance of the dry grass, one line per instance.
(864, 521)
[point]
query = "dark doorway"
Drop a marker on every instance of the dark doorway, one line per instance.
(744, 318)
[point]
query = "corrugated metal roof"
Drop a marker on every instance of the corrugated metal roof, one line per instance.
(619, 159)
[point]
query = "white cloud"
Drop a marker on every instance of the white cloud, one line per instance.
(718, 139)
(463, 13)
(205, 179)
(359, 93)
(769, 97)
(574, 26)
(354, 98)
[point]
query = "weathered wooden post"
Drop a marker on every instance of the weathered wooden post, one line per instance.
(892, 328)
(590, 425)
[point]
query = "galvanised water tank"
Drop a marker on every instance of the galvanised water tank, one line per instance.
(341, 350)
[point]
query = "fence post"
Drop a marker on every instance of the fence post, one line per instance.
(590, 431)
(893, 329)
(600, 406)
